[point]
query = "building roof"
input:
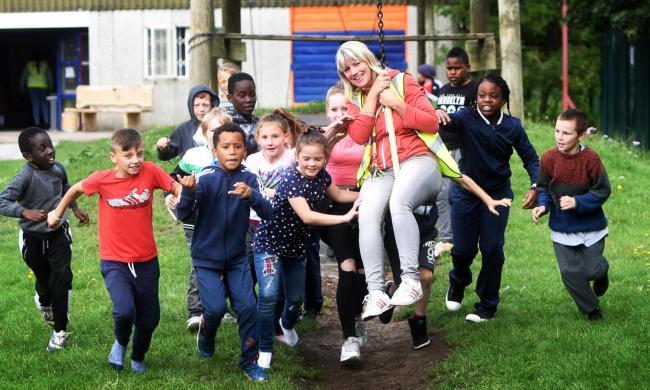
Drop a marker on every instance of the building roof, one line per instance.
(110, 5)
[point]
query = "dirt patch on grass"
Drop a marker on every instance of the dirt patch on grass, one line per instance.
(387, 362)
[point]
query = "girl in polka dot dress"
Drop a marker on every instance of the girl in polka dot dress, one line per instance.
(280, 243)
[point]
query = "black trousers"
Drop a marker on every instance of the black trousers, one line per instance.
(49, 259)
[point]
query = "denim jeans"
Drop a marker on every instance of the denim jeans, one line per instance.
(38, 96)
(271, 271)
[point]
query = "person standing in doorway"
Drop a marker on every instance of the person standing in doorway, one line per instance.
(37, 77)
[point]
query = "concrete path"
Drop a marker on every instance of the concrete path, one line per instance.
(9, 140)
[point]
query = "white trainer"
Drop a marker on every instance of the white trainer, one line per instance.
(408, 292)
(46, 311)
(290, 336)
(351, 351)
(375, 303)
(264, 359)
(193, 323)
(57, 340)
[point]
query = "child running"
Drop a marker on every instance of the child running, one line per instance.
(222, 199)
(280, 242)
(36, 189)
(488, 138)
(192, 162)
(572, 186)
(129, 258)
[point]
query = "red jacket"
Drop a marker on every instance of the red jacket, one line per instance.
(420, 115)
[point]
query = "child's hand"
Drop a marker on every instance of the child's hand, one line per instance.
(443, 117)
(270, 192)
(53, 220)
(354, 211)
(530, 199)
(492, 206)
(34, 215)
(162, 143)
(188, 182)
(567, 202)
(171, 201)
(538, 212)
(81, 215)
(241, 189)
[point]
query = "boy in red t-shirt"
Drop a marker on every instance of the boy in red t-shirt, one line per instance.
(129, 259)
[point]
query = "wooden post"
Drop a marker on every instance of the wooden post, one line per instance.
(202, 66)
(420, 4)
(479, 13)
(231, 22)
(510, 35)
(430, 29)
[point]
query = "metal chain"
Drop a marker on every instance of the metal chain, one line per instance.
(380, 25)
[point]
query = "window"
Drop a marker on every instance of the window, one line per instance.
(166, 52)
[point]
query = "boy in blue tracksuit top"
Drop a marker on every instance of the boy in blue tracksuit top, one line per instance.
(222, 197)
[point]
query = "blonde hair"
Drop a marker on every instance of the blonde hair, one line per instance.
(359, 52)
(285, 121)
(334, 90)
(214, 114)
(229, 67)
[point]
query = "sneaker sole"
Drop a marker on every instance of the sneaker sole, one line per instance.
(407, 302)
(352, 361)
(453, 306)
(259, 380)
(51, 348)
(475, 318)
(373, 315)
(420, 346)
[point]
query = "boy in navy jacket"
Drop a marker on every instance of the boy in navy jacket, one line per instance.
(222, 197)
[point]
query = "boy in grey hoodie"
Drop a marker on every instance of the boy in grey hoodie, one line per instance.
(36, 190)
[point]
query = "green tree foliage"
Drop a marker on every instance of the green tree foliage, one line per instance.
(630, 16)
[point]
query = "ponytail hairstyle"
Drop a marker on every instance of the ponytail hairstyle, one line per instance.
(286, 121)
(499, 82)
(311, 136)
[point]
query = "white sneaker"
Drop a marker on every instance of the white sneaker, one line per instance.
(375, 303)
(351, 351)
(290, 336)
(193, 323)
(408, 292)
(228, 319)
(264, 359)
(362, 332)
(57, 340)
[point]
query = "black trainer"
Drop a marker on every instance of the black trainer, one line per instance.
(601, 285)
(419, 334)
(387, 316)
(595, 315)
(454, 297)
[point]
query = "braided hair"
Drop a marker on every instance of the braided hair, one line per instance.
(499, 82)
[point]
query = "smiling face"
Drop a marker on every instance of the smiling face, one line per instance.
(358, 73)
(127, 162)
(567, 138)
(222, 77)
(489, 100)
(336, 106)
(311, 160)
(230, 150)
(42, 153)
(272, 140)
(243, 97)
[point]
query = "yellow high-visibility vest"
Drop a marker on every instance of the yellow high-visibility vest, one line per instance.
(446, 162)
(37, 74)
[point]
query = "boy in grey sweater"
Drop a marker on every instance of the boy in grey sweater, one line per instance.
(37, 189)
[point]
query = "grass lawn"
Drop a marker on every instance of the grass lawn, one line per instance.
(538, 339)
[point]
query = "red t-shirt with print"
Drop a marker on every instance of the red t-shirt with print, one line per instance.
(125, 212)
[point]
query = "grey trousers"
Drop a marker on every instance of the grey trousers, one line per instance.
(419, 180)
(194, 307)
(445, 234)
(578, 266)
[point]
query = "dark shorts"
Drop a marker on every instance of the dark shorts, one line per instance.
(428, 233)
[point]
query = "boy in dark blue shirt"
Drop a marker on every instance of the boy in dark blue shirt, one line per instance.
(222, 197)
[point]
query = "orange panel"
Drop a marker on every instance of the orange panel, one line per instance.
(347, 17)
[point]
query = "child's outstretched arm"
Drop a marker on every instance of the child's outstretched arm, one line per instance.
(341, 196)
(54, 216)
(310, 217)
(470, 185)
(258, 202)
